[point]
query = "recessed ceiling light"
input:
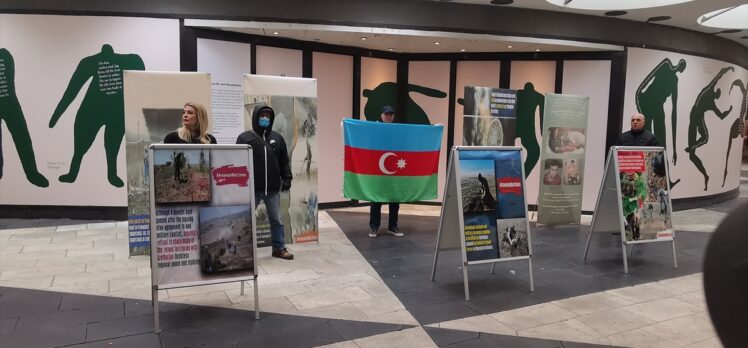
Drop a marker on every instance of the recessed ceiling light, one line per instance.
(658, 18)
(363, 38)
(537, 50)
(436, 43)
(609, 5)
(735, 17)
(462, 50)
(615, 13)
(509, 46)
(502, 2)
(275, 33)
(390, 49)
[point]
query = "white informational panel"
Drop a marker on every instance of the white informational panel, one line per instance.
(154, 102)
(634, 199)
(201, 204)
(693, 107)
(294, 101)
(226, 62)
(62, 140)
(484, 211)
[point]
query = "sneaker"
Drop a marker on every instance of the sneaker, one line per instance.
(373, 233)
(283, 254)
(395, 232)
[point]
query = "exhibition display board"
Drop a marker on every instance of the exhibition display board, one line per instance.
(294, 101)
(562, 159)
(201, 209)
(634, 199)
(484, 211)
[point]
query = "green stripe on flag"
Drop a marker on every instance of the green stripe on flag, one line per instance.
(390, 189)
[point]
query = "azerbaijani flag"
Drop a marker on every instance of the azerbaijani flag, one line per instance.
(391, 162)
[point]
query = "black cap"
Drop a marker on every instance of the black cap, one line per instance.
(388, 110)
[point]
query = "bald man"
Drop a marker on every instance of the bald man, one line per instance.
(637, 136)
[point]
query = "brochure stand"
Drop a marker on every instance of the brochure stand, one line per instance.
(631, 188)
(497, 230)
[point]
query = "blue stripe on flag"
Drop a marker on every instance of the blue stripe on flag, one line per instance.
(392, 136)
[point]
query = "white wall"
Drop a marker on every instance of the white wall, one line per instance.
(697, 75)
(47, 50)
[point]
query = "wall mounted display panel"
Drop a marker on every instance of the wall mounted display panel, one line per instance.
(469, 73)
(531, 79)
(429, 103)
(334, 74)
(696, 108)
(591, 78)
(276, 61)
(63, 82)
(226, 62)
(378, 86)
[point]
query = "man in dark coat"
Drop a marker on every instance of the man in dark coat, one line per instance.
(272, 172)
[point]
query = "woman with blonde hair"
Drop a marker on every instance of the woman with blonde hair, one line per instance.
(194, 129)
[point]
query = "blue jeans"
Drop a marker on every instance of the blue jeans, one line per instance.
(375, 215)
(272, 204)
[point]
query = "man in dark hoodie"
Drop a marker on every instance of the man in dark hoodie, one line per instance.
(272, 172)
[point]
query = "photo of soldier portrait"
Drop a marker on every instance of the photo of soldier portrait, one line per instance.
(182, 176)
(226, 239)
(566, 140)
(553, 170)
(573, 172)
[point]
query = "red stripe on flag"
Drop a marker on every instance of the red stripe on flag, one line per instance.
(394, 163)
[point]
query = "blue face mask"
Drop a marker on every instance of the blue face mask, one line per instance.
(264, 122)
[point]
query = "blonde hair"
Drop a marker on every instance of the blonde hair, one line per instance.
(202, 125)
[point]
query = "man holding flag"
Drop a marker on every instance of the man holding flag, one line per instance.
(394, 163)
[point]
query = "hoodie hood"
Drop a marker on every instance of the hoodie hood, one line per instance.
(256, 120)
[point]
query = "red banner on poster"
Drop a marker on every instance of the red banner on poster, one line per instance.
(631, 161)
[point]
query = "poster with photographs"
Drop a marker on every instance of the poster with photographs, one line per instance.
(294, 102)
(182, 176)
(493, 200)
(490, 116)
(200, 235)
(153, 108)
(645, 200)
(562, 159)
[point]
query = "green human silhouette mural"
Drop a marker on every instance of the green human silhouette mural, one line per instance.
(738, 127)
(386, 94)
(652, 94)
(528, 100)
(705, 101)
(102, 106)
(12, 114)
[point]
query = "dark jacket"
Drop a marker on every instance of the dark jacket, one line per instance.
(269, 154)
(641, 138)
(173, 138)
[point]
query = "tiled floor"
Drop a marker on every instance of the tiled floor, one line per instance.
(71, 283)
